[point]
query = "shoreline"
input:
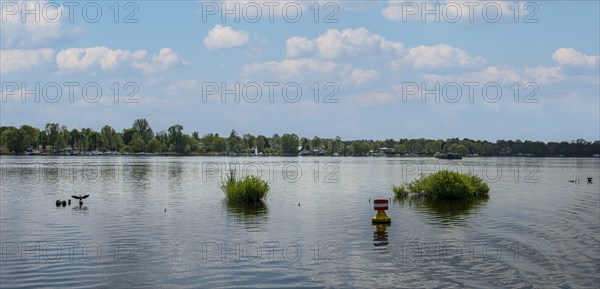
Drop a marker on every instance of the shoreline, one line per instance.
(287, 156)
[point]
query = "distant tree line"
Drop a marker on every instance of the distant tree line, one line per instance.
(140, 137)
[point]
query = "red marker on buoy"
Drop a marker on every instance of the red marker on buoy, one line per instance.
(381, 206)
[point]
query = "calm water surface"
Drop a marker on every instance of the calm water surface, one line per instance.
(161, 222)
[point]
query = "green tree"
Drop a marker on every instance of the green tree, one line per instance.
(275, 143)
(62, 139)
(468, 144)
(137, 143)
(317, 143)
(375, 147)
(248, 141)
(128, 135)
(259, 143)
(305, 144)
(14, 139)
(338, 146)
(154, 146)
(85, 142)
(219, 144)
(359, 148)
(400, 148)
(458, 148)
(207, 140)
(43, 139)
(289, 144)
(52, 133)
(192, 145)
(177, 141)
(434, 146)
(143, 128)
(75, 137)
(389, 143)
(163, 138)
(111, 140)
(233, 142)
(328, 146)
(418, 146)
(31, 136)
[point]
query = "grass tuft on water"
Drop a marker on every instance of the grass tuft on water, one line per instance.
(444, 185)
(248, 190)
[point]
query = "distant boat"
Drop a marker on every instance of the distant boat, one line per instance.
(596, 155)
(447, 156)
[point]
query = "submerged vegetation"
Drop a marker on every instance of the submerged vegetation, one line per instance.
(444, 185)
(248, 190)
(447, 211)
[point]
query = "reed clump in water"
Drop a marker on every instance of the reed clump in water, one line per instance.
(444, 185)
(247, 190)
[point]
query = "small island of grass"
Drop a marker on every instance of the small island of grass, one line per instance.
(246, 191)
(444, 185)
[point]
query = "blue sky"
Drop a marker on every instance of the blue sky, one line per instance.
(366, 69)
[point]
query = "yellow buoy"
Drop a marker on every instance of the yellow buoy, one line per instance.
(380, 206)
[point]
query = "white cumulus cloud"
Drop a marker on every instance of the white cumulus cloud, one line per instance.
(506, 75)
(42, 24)
(79, 59)
(24, 59)
(297, 45)
(349, 42)
(362, 77)
(572, 57)
(225, 37)
(437, 56)
(165, 60)
(104, 59)
(297, 69)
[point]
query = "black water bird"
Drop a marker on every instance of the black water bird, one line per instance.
(58, 203)
(80, 198)
(590, 179)
(64, 203)
(69, 202)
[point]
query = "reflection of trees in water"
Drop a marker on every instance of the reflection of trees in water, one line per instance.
(175, 180)
(135, 172)
(446, 210)
(253, 214)
(175, 170)
(135, 176)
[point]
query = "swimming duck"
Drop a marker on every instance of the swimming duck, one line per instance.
(80, 198)
(58, 203)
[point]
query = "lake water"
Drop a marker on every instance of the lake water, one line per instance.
(161, 222)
